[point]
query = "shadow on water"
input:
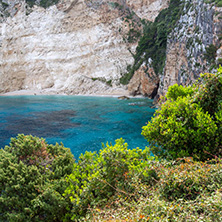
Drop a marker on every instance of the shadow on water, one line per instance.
(44, 124)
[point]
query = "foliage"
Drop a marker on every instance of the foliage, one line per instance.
(189, 126)
(114, 170)
(31, 3)
(133, 35)
(154, 40)
(217, 2)
(189, 179)
(176, 91)
(42, 3)
(117, 184)
(47, 3)
(32, 180)
(4, 4)
(209, 95)
(210, 54)
(180, 129)
(219, 61)
(102, 79)
(187, 191)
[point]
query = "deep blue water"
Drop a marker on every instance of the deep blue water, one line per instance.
(80, 123)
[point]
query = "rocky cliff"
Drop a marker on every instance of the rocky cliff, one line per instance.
(73, 47)
(102, 46)
(192, 44)
(183, 41)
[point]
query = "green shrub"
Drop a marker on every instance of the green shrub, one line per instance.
(210, 54)
(218, 3)
(180, 129)
(47, 3)
(176, 91)
(98, 177)
(32, 180)
(42, 3)
(209, 95)
(190, 179)
(187, 191)
(189, 126)
(219, 61)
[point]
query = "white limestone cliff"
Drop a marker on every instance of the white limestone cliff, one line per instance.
(74, 47)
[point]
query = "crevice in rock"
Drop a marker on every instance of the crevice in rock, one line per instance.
(155, 90)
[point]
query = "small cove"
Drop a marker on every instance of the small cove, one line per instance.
(81, 123)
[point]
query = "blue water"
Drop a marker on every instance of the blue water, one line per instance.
(80, 123)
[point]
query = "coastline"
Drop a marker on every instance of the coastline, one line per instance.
(52, 92)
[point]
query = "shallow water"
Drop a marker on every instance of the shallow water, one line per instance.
(80, 123)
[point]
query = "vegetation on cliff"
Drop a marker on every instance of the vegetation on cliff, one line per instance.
(217, 2)
(153, 42)
(181, 182)
(183, 22)
(42, 3)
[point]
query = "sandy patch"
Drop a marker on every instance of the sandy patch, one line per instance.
(52, 92)
(28, 92)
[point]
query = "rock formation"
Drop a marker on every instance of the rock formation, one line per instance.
(74, 47)
(144, 81)
(186, 58)
(87, 46)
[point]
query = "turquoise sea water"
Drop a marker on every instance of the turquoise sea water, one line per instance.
(80, 123)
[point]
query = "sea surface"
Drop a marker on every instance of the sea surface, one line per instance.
(81, 123)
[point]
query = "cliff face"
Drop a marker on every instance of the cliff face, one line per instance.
(182, 42)
(74, 47)
(188, 45)
(101, 46)
(64, 47)
(148, 9)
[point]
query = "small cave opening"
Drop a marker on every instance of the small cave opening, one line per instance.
(155, 90)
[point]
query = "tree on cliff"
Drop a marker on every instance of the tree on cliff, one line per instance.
(32, 180)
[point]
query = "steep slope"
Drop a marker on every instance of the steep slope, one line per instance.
(102, 46)
(73, 47)
(183, 41)
(192, 45)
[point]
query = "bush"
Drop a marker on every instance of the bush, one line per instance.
(187, 191)
(189, 126)
(209, 95)
(42, 3)
(98, 177)
(210, 54)
(176, 91)
(188, 179)
(32, 180)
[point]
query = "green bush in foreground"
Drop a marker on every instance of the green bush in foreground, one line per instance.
(189, 122)
(115, 170)
(32, 180)
(116, 184)
(187, 190)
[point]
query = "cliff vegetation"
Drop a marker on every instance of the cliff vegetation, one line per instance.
(42, 3)
(153, 42)
(180, 181)
(182, 42)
